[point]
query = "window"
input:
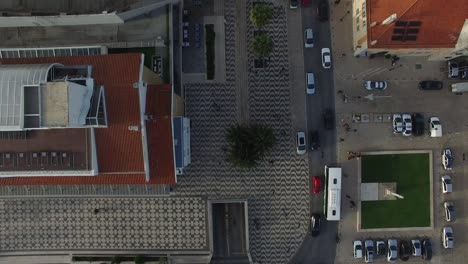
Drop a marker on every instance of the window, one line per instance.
(363, 9)
(334, 212)
(357, 23)
(335, 181)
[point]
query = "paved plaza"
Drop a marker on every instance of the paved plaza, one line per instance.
(276, 190)
(88, 224)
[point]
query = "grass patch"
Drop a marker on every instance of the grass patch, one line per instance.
(210, 51)
(411, 173)
(148, 51)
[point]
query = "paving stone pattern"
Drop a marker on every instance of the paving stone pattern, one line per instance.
(276, 190)
(176, 223)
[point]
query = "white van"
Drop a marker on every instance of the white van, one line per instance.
(310, 83)
(309, 38)
(435, 127)
(460, 87)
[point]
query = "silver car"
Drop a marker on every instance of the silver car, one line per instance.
(416, 247)
(447, 237)
(369, 251)
(301, 143)
(392, 253)
(446, 184)
(326, 58)
(407, 125)
(397, 124)
(449, 211)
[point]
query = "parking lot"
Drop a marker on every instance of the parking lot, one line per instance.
(374, 133)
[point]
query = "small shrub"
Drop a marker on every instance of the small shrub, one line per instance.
(262, 45)
(261, 15)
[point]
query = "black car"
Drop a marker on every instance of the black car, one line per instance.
(315, 225)
(314, 140)
(426, 249)
(293, 4)
(418, 124)
(431, 85)
(328, 119)
(381, 248)
(322, 11)
(405, 250)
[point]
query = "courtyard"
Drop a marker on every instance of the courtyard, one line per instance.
(411, 174)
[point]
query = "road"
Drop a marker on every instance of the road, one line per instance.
(319, 249)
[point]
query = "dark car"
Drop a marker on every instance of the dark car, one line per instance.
(322, 11)
(418, 124)
(426, 249)
(405, 250)
(431, 85)
(328, 119)
(381, 248)
(314, 140)
(293, 4)
(315, 225)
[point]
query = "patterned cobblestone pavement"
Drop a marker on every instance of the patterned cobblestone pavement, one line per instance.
(143, 223)
(276, 190)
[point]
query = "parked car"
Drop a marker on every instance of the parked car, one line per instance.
(315, 225)
(375, 85)
(397, 124)
(357, 249)
(463, 71)
(314, 140)
(392, 252)
(316, 184)
(293, 4)
(426, 249)
(369, 251)
(447, 159)
(309, 38)
(301, 143)
(310, 81)
(328, 119)
(405, 250)
(435, 127)
(453, 69)
(431, 85)
(381, 250)
(326, 58)
(446, 184)
(449, 211)
(407, 125)
(416, 247)
(447, 237)
(322, 10)
(418, 124)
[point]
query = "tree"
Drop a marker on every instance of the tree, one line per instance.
(248, 144)
(262, 45)
(261, 14)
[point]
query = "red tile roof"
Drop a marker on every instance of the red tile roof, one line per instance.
(119, 150)
(441, 22)
(159, 130)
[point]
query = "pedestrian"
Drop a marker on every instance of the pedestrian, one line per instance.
(354, 130)
(463, 156)
(342, 54)
(339, 92)
(341, 139)
(347, 196)
(96, 211)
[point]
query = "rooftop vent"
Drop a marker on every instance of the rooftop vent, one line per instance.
(389, 19)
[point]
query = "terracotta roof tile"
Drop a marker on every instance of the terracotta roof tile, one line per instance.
(441, 22)
(119, 149)
(159, 130)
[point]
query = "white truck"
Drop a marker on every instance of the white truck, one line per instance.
(460, 87)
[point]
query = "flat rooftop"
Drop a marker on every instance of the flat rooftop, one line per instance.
(130, 223)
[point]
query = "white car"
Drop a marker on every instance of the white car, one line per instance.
(357, 249)
(369, 250)
(449, 211)
(447, 159)
(407, 125)
(435, 127)
(375, 85)
(397, 124)
(301, 143)
(326, 58)
(447, 237)
(446, 184)
(416, 247)
(392, 253)
(309, 38)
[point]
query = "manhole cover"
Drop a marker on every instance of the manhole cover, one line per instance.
(418, 66)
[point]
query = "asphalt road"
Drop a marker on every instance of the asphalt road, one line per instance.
(319, 249)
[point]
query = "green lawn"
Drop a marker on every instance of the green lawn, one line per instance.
(411, 173)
